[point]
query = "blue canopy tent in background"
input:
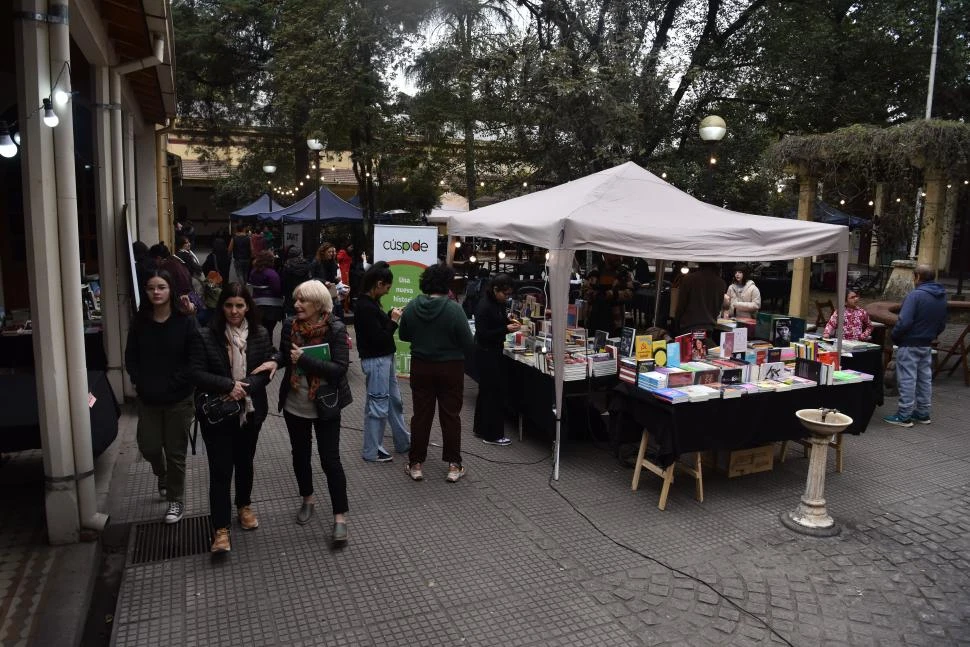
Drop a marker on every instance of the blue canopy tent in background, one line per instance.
(332, 209)
(826, 213)
(260, 205)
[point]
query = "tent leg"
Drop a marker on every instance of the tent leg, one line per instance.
(555, 450)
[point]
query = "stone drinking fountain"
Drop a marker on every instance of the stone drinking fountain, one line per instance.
(810, 517)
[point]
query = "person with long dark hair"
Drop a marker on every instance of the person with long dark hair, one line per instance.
(218, 259)
(157, 360)
(492, 323)
(233, 358)
(314, 325)
(375, 345)
(325, 269)
(439, 334)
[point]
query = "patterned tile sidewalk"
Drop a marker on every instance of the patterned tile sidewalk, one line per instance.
(506, 558)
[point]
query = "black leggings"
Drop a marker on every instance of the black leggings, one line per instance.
(328, 444)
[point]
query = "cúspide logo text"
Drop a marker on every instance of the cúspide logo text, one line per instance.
(405, 246)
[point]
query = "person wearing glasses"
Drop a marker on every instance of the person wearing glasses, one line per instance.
(492, 324)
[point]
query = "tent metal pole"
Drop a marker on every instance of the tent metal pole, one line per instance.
(660, 266)
(843, 274)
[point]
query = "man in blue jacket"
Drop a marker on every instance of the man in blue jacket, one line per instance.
(921, 319)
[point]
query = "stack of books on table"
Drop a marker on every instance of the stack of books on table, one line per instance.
(676, 376)
(673, 396)
(601, 364)
(848, 376)
(703, 372)
(628, 370)
(652, 380)
(700, 393)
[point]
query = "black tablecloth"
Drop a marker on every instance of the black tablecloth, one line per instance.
(17, 351)
(869, 361)
(20, 423)
(747, 421)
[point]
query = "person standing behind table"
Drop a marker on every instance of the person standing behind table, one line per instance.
(922, 318)
(743, 298)
(267, 290)
(700, 300)
(157, 360)
(857, 326)
(314, 324)
(325, 269)
(492, 323)
(375, 345)
(242, 253)
(439, 334)
(233, 357)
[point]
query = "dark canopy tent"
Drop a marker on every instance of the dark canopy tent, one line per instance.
(332, 209)
(828, 214)
(257, 207)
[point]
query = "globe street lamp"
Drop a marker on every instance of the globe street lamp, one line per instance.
(269, 168)
(316, 146)
(712, 129)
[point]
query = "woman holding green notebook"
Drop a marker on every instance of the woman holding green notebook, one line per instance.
(308, 372)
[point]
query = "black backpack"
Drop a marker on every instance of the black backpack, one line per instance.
(473, 293)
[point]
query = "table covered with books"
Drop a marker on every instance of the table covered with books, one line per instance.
(735, 423)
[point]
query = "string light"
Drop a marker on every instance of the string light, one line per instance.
(746, 178)
(481, 184)
(404, 179)
(871, 203)
(713, 160)
(50, 117)
(472, 259)
(525, 185)
(501, 255)
(898, 200)
(61, 98)
(664, 175)
(841, 201)
(441, 182)
(457, 244)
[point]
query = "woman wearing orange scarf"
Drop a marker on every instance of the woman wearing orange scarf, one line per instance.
(304, 376)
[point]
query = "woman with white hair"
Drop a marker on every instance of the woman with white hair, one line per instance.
(313, 391)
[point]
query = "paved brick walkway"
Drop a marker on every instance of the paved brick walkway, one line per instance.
(506, 558)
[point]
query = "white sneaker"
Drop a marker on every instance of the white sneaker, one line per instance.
(455, 472)
(502, 442)
(175, 511)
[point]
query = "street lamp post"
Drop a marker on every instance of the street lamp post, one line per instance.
(269, 168)
(712, 129)
(316, 146)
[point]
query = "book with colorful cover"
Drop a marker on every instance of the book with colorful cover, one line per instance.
(674, 396)
(700, 393)
(599, 340)
(673, 354)
(729, 391)
(572, 315)
(643, 347)
(659, 347)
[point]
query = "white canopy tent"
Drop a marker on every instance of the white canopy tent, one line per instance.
(629, 211)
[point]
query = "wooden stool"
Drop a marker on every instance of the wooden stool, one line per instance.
(667, 473)
(835, 443)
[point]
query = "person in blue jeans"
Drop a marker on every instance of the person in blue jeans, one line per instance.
(375, 345)
(922, 318)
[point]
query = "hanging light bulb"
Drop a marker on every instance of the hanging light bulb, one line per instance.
(50, 117)
(441, 182)
(472, 259)
(7, 146)
(481, 184)
(664, 175)
(457, 244)
(525, 185)
(684, 270)
(501, 255)
(404, 179)
(16, 139)
(842, 201)
(61, 97)
(713, 160)
(308, 176)
(547, 256)
(871, 203)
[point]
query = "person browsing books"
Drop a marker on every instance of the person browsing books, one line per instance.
(492, 323)
(743, 298)
(308, 375)
(856, 326)
(157, 360)
(922, 318)
(700, 299)
(375, 345)
(232, 358)
(439, 334)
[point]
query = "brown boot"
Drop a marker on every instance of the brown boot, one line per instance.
(247, 518)
(220, 543)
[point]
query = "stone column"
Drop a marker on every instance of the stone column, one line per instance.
(950, 226)
(801, 275)
(32, 53)
(900, 281)
(931, 235)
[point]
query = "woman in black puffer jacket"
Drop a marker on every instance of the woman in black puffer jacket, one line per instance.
(314, 325)
(233, 357)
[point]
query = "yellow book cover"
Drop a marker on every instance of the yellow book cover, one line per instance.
(660, 352)
(643, 346)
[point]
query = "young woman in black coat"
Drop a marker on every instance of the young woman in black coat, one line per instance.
(234, 358)
(492, 323)
(313, 325)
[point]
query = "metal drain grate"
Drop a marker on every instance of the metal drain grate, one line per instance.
(157, 541)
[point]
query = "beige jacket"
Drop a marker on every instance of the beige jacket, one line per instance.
(743, 301)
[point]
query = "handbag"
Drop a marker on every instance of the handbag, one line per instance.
(215, 409)
(327, 400)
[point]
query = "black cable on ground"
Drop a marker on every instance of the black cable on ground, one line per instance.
(663, 564)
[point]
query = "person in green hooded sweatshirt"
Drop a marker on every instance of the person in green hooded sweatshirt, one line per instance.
(439, 334)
